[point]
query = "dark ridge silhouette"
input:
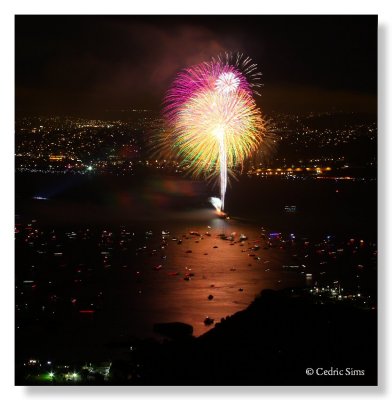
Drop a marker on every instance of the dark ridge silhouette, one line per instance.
(272, 342)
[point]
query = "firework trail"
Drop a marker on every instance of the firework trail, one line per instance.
(223, 164)
(213, 121)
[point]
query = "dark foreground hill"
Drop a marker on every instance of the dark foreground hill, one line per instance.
(273, 342)
(283, 338)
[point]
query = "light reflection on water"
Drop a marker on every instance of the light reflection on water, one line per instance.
(132, 304)
(139, 295)
(220, 271)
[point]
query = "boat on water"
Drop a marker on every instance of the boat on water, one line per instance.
(221, 214)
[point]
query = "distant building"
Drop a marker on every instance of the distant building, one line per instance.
(56, 157)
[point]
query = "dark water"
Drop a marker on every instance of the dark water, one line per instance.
(133, 295)
(322, 205)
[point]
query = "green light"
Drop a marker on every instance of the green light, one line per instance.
(89, 168)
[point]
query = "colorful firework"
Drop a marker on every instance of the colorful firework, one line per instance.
(213, 121)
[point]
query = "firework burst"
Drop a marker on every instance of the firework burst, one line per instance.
(245, 66)
(209, 116)
(213, 121)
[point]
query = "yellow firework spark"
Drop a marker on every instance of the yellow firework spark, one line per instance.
(205, 118)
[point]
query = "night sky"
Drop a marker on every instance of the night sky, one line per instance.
(84, 65)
